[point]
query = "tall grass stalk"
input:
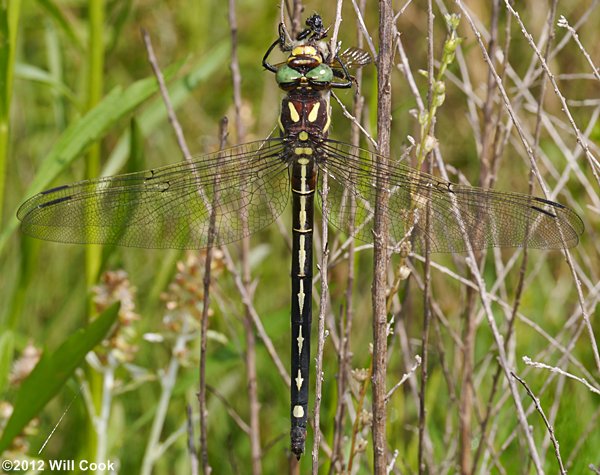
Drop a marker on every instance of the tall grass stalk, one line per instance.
(9, 23)
(95, 442)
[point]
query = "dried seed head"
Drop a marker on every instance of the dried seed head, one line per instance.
(360, 374)
(115, 287)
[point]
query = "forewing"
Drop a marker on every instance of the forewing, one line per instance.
(458, 214)
(168, 207)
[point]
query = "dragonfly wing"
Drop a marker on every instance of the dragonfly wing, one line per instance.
(352, 57)
(168, 207)
(458, 214)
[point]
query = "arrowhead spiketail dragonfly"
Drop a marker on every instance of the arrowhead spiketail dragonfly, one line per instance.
(246, 187)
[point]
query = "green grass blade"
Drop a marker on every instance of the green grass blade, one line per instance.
(65, 24)
(53, 371)
(9, 22)
(7, 343)
(33, 73)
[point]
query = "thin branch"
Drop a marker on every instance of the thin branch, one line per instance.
(190, 440)
(380, 233)
(404, 377)
(538, 406)
(165, 95)
(535, 364)
(564, 23)
(321, 324)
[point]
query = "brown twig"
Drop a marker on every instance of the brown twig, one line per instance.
(538, 407)
(190, 440)
(380, 232)
(321, 324)
(250, 351)
(165, 95)
(347, 318)
(204, 322)
(427, 267)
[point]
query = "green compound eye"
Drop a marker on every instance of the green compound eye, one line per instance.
(320, 73)
(287, 75)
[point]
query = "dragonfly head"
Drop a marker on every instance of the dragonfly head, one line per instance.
(305, 67)
(311, 64)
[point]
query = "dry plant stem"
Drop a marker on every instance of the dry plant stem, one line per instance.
(380, 235)
(336, 26)
(465, 409)
(490, 130)
(194, 467)
(297, 10)
(546, 422)
(488, 156)
(230, 410)
(250, 352)
(363, 27)
(235, 73)
(356, 426)
(321, 326)
(536, 141)
(347, 319)
(206, 469)
(427, 269)
(250, 360)
(324, 293)
(562, 22)
(528, 361)
(404, 378)
(165, 95)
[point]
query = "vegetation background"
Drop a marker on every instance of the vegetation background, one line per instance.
(60, 59)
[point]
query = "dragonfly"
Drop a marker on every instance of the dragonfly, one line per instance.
(221, 197)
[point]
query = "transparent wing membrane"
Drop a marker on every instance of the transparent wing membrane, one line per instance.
(486, 218)
(168, 207)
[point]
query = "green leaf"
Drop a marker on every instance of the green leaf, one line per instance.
(33, 73)
(52, 372)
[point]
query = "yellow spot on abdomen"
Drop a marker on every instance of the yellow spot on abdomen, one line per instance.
(303, 151)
